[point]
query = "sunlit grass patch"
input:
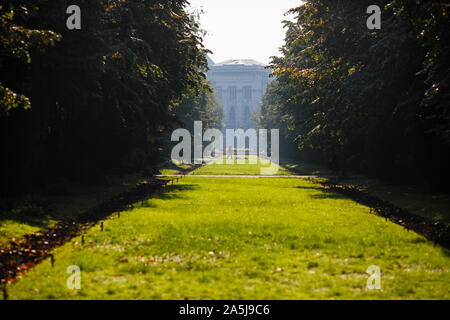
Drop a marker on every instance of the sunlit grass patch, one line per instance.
(228, 238)
(252, 166)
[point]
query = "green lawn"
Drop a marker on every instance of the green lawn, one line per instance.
(173, 168)
(238, 169)
(233, 238)
(305, 168)
(29, 216)
(432, 205)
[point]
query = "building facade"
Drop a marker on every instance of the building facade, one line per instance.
(240, 86)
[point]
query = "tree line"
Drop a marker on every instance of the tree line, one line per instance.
(372, 101)
(83, 104)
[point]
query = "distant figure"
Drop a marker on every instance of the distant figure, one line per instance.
(229, 153)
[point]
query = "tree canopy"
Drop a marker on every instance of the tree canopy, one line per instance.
(81, 104)
(372, 100)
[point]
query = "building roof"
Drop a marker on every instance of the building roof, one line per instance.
(243, 62)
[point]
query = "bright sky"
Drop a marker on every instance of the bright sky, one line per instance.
(244, 29)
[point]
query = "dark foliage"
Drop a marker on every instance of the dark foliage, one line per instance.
(374, 101)
(18, 257)
(82, 104)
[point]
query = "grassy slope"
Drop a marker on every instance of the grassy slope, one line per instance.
(211, 238)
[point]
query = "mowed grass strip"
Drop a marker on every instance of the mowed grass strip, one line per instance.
(235, 168)
(228, 238)
(28, 217)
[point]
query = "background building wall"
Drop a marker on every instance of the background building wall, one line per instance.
(240, 85)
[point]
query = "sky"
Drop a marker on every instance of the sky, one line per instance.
(244, 29)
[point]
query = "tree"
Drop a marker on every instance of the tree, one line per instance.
(102, 97)
(16, 41)
(366, 99)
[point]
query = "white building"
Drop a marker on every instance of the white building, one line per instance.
(240, 85)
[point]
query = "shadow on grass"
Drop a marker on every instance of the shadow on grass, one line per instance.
(168, 193)
(310, 188)
(435, 231)
(172, 166)
(31, 221)
(33, 248)
(39, 214)
(32, 214)
(325, 194)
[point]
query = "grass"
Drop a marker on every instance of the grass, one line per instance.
(174, 168)
(238, 169)
(432, 205)
(229, 238)
(29, 215)
(305, 168)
